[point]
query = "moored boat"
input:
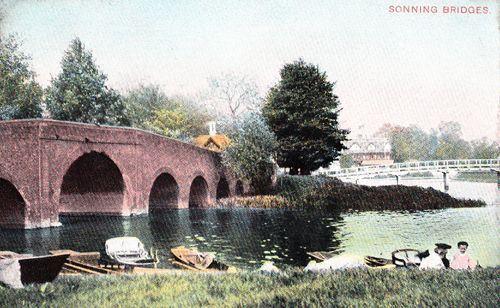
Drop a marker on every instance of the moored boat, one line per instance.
(372, 261)
(321, 255)
(26, 269)
(194, 260)
(82, 263)
(408, 257)
(129, 252)
(400, 258)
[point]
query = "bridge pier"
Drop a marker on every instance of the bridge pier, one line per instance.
(445, 183)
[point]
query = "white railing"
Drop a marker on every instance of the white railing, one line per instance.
(412, 167)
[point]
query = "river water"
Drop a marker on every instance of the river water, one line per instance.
(247, 237)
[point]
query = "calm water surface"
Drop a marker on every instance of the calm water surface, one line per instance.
(246, 237)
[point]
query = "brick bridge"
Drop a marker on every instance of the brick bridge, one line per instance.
(48, 168)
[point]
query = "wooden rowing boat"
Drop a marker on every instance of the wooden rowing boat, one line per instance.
(408, 257)
(401, 257)
(82, 263)
(321, 255)
(37, 269)
(377, 261)
(193, 260)
(370, 261)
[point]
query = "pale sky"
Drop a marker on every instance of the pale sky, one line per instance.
(397, 68)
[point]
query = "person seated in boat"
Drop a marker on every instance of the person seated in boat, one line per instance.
(462, 260)
(437, 258)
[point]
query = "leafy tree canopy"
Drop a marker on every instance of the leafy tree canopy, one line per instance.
(148, 107)
(20, 94)
(180, 122)
(446, 142)
(346, 161)
(451, 145)
(80, 93)
(251, 150)
(409, 143)
(142, 102)
(484, 149)
(303, 113)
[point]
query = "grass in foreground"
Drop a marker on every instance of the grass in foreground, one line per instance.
(364, 288)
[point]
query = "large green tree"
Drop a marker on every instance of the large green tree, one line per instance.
(20, 94)
(303, 113)
(251, 151)
(80, 93)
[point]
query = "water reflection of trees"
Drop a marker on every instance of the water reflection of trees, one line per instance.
(80, 233)
(89, 233)
(232, 233)
(168, 227)
(36, 242)
(250, 233)
(297, 232)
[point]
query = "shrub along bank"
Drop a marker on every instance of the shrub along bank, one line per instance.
(331, 193)
(353, 288)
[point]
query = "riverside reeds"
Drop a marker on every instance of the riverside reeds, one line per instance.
(259, 201)
(306, 192)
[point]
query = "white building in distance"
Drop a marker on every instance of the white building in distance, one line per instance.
(369, 151)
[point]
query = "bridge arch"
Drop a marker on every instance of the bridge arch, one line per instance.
(12, 206)
(93, 183)
(222, 188)
(164, 192)
(198, 193)
(239, 189)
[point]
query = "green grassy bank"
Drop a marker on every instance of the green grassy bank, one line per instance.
(333, 194)
(363, 288)
(481, 177)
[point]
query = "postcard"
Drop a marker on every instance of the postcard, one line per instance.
(242, 154)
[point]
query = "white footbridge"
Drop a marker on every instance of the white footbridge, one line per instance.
(398, 169)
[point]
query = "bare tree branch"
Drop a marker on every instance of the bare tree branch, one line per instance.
(232, 95)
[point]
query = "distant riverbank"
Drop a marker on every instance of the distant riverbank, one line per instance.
(333, 194)
(396, 288)
(481, 177)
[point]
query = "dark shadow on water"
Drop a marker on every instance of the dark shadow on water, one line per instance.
(244, 237)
